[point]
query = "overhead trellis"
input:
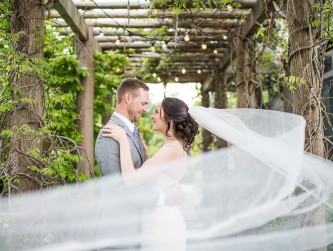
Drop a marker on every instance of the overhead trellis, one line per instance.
(195, 38)
(191, 43)
(212, 42)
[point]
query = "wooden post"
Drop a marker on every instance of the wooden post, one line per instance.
(246, 73)
(206, 135)
(250, 70)
(240, 82)
(85, 104)
(106, 117)
(220, 96)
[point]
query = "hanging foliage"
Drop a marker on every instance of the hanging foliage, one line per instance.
(56, 163)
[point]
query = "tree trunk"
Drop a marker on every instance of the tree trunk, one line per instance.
(306, 62)
(28, 20)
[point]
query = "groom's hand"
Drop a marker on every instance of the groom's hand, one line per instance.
(173, 195)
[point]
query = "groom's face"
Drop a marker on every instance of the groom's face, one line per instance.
(138, 104)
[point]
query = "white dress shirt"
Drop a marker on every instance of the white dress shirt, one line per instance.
(128, 123)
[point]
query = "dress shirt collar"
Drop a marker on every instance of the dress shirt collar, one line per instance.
(128, 123)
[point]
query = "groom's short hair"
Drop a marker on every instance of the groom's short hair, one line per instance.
(130, 85)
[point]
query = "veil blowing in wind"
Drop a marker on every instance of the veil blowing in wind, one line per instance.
(263, 192)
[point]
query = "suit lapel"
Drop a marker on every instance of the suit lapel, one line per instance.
(136, 143)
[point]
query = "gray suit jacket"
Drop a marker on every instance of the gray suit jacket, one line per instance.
(108, 160)
(107, 151)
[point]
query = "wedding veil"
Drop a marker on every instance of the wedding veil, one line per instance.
(260, 193)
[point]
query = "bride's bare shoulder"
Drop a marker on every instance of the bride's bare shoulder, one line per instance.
(175, 144)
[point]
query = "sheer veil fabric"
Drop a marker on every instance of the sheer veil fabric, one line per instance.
(260, 193)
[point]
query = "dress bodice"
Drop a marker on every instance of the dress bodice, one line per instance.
(167, 179)
(163, 181)
(164, 228)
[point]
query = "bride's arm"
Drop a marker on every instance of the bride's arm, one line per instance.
(130, 175)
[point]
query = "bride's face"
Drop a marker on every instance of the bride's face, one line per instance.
(159, 124)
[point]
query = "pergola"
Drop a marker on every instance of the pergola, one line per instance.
(214, 46)
(128, 24)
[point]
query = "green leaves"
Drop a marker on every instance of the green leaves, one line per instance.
(107, 79)
(292, 81)
(176, 6)
(6, 106)
(6, 133)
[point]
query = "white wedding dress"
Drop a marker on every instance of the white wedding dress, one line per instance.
(164, 228)
(237, 198)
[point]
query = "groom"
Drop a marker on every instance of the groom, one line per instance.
(132, 101)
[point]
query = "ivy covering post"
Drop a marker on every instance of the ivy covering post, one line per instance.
(306, 69)
(245, 75)
(28, 93)
(85, 103)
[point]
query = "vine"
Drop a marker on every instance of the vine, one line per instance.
(55, 162)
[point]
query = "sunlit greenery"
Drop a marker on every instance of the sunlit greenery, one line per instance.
(60, 71)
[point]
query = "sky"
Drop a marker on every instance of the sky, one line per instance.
(186, 92)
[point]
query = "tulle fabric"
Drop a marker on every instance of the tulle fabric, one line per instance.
(260, 193)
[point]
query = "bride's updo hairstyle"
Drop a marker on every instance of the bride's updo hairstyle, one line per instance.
(185, 128)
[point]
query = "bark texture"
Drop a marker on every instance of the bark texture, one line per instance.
(28, 23)
(306, 62)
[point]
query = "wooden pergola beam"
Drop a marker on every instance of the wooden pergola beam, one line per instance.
(122, 22)
(182, 61)
(71, 15)
(182, 79)
(140, 4)
(138, 23)
(190, 49)
(258, 12)
(186, 66)
(193, 63)
(124, 13)
(114, 4)
(167, 38)
(178, 72)
(141, 44)
(190, 70)
(246, 3)
(146, 55)
(248, 26)
(192, 56)
(121, 32)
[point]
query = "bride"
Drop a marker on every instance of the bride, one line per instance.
(163, 228)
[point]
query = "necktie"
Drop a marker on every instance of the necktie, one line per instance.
(136, 133)
(137, 137)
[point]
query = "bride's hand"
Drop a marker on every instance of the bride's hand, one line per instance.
(114, 131)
